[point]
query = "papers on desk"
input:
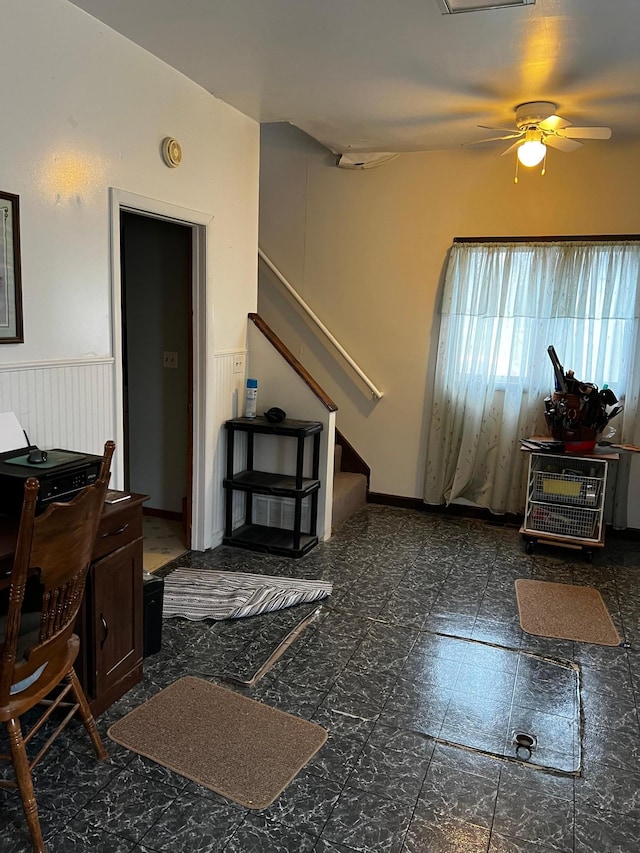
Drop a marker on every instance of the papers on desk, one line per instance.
(12, 436)
(113, 496)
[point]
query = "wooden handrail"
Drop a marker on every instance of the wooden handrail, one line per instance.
(375, 392)
(290, 358)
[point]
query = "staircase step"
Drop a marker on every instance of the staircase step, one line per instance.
(349, 495)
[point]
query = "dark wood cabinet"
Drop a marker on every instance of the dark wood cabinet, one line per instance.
(110, 623)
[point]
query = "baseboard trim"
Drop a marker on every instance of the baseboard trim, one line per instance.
(162, 513)
(452, 509)
(395, 500)
(507, 519)
(627, 533)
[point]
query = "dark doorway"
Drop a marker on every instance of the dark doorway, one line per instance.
(156, 274)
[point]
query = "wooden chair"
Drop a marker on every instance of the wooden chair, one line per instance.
(38, 649)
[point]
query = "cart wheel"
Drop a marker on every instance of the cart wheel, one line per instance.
(529, 547)
(589, 556)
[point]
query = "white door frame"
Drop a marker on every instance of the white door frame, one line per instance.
(201, 223)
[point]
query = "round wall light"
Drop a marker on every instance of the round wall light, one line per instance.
(171, 152)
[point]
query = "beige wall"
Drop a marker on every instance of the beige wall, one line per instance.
(366, 249)
(85, 111)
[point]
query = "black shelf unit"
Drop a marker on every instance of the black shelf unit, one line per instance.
(257, 537)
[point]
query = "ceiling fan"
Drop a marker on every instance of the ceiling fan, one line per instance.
(537, 126)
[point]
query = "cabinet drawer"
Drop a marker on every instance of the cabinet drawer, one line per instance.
(563, 521)
(567, 489)
(117, 528)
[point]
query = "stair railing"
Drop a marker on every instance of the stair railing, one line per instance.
(375, 392)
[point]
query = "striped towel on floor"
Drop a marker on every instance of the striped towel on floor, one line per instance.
(197, 594)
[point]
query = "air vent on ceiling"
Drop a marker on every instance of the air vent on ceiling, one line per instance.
(453, 7)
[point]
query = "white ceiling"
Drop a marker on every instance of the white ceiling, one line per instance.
(397, 75)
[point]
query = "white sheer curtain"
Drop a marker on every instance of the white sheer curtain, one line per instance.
(503, 305)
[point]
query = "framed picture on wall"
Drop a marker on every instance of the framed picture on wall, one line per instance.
(10, 277)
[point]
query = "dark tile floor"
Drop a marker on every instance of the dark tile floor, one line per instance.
(379, 784)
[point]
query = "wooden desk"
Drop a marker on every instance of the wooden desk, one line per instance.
(110, 620)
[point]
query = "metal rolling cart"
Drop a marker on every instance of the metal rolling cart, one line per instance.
(565, 500)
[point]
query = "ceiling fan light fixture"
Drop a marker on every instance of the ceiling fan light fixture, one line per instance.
(538, 128)
(531, 152)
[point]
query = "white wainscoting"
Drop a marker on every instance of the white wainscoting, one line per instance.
(66, 404)
(71, 404)
(227, 389)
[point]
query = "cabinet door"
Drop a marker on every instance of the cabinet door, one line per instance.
(116, 602)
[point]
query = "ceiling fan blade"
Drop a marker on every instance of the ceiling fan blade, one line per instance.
(493, 139)
(587, 132)
(499, 129)
(511, 148)
(553, 123)
(561, 143)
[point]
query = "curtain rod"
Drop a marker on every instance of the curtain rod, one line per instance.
(559, 239)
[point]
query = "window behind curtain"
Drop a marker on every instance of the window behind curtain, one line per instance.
(503, 305)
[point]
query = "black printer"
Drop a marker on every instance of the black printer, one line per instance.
(62, 474)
